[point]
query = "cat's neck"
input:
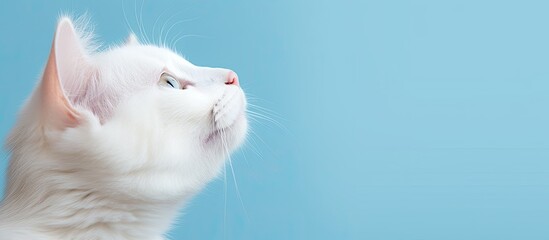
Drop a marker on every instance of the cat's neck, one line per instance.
(56, 206)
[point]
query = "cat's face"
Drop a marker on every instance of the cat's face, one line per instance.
(136, 118)
(206, 106)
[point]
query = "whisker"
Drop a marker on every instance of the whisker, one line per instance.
(175, 24)
(233, 173)
(242, 152)
(137, 20)
(265, 110)
(262, 115)
(227, 155)
(254, 144)
(225, 198)
(225, 187)
(262, 141)
(146, 38)
(268, 119)
(186, 36)
(125, 16)
(160, 37)
(251, 96)
(155, 22)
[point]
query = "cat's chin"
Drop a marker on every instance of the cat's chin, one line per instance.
(229, 136)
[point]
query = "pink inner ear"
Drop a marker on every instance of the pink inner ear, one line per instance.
(55, 106)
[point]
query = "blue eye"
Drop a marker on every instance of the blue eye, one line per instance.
(168, 81)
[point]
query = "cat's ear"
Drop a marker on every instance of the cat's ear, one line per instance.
(132, 40)
(63, 77)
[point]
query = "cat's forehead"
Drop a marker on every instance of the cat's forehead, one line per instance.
(143, 57)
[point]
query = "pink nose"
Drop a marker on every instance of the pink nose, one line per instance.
(232, 79)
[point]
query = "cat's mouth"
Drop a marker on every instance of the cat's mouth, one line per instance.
(226, 113)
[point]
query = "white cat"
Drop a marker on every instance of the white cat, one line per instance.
(111, 144)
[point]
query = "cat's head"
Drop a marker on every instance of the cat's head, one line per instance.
(136, 118)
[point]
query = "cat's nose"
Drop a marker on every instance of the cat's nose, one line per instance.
(232, 79)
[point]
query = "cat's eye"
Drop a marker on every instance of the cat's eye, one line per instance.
(170, 82)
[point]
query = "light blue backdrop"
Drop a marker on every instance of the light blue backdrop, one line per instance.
(402, 119)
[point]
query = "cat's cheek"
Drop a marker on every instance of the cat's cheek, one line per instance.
(183, 105)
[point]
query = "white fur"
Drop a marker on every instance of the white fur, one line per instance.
(137, 154)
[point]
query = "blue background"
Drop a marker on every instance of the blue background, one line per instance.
(401, 119)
